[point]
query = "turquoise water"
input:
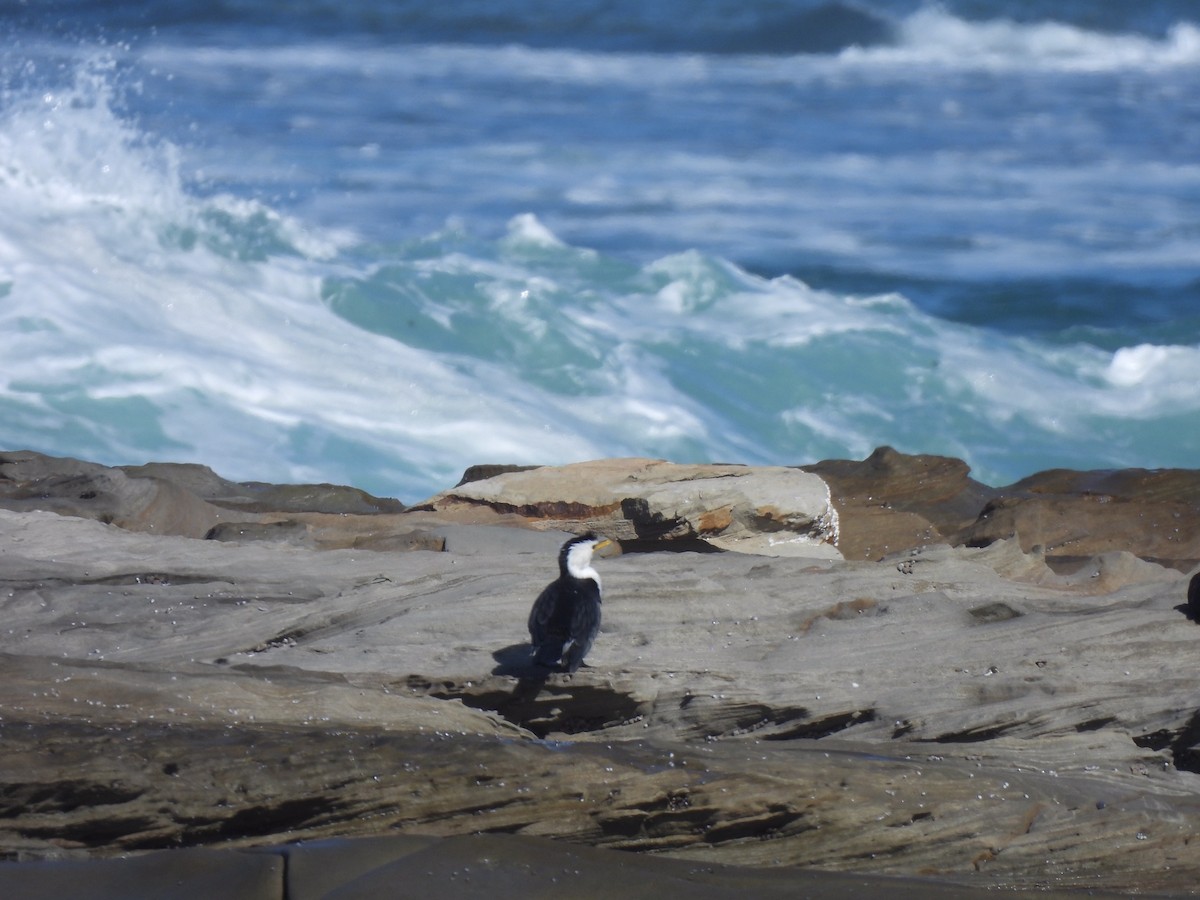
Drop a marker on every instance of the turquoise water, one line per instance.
(378, 244)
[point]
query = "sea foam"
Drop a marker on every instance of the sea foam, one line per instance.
(146, 319)
(933, 37)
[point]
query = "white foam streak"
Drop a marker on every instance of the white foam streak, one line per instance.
(929, 37)
(933, 37)
(433, 62)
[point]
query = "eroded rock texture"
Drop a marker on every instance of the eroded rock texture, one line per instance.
(982, 715)
(774, 510)
(891, 502)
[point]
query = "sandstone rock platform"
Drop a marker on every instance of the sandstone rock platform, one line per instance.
(982, 713)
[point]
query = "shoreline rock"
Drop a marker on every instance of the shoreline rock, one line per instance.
(771, 510)
(886, 504)
(994, 716)
(891, 502)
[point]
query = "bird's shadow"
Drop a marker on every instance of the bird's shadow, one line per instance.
(516, 660)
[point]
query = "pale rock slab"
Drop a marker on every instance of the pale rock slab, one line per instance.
(767, 510)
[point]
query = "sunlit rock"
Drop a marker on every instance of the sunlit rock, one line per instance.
(770, 510)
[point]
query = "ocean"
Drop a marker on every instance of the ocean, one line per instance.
(373, 243)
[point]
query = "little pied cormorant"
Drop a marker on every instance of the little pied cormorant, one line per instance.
(566, 615)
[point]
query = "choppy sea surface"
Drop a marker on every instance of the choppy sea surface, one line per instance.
(373, 243)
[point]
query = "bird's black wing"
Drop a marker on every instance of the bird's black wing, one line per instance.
(585, 622)
(549, 623)
(542, 613)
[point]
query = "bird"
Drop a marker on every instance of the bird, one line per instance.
(566, 615)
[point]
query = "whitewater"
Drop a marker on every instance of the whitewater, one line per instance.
(378, 259)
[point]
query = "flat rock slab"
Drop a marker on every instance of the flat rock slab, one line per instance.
(968, 714)
(769, 510)
(454, 868)
(186, 874)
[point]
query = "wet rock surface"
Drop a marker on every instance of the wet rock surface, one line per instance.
(984, 716)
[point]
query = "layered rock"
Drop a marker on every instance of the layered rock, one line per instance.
(1152, 513)
(984, 715)
(886, 504)
(194, 501)
(892, 502)
(770, 510)
(74, 488)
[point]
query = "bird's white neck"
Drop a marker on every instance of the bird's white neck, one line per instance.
(579, 563)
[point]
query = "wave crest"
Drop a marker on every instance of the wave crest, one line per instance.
(934, 37)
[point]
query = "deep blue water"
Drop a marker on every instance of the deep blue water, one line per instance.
(377, 242)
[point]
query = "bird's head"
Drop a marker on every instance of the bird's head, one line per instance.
(575, 557)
